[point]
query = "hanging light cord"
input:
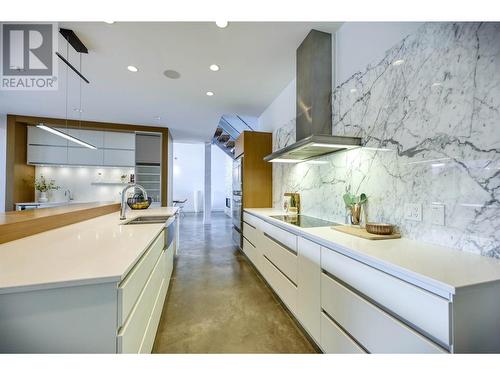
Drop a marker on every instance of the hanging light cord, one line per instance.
(67, 84)
(80, 104)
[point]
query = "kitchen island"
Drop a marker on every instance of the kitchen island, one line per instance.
(97, 286)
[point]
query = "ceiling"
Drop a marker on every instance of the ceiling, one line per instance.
(256, 59)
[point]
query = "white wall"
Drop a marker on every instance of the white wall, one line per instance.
(357, 45)
(3, 154)
(189, 172)
(229, 186)
(189, 167)
(219, 166)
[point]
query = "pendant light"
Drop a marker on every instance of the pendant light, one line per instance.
(71, 38)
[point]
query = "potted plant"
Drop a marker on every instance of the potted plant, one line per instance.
(44, 186)
(354, 203)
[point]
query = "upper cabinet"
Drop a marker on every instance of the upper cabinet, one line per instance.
(94, 137)
(147, 148)
(38, 136)
(117, 140)
(114, 149)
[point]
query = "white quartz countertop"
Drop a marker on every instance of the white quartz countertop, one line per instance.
(92, 251)
(436, 268)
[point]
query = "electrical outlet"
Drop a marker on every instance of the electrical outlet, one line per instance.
(437, 214)
(413, 211)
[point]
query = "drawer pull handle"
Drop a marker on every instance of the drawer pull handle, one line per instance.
(250, 225)
(280, 244)
(328, 316)
(250, 242)
(280, 271)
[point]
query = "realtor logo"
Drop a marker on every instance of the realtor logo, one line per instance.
(28, 60)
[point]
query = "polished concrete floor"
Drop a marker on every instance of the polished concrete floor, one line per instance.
(217, 303)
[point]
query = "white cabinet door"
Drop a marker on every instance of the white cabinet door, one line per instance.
(47, 154)
(118, 140)
(134, 333)
(84, 156)
(94, 137)
(372, 327)
(119, 158)
(38, 136)
(283, 287)
(336, 341)
(308, 287)
(423, 309)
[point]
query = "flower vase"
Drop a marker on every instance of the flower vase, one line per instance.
(42, 198)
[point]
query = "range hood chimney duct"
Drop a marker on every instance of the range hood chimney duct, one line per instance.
(314, 109)
(314, 85)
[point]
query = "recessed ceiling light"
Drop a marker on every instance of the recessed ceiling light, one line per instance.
(398, 62)
(110, 22)
(132, 68)
(172, 74)
(221, 24)
(210, 93)
(214, 67)
(157, 118)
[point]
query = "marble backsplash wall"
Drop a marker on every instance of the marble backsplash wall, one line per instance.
(429, 117)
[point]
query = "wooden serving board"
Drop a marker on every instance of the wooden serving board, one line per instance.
(361, 232)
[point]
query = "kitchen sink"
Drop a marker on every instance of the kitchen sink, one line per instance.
(148, 220)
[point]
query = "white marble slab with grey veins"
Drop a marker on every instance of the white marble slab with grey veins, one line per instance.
(429, 117)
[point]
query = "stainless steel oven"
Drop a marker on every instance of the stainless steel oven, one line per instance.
(237, 201)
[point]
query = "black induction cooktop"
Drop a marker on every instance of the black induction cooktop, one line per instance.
(304, 221)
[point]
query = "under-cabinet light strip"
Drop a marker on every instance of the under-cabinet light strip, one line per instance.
(66, 136)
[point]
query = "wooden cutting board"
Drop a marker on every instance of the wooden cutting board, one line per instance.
(361, 232)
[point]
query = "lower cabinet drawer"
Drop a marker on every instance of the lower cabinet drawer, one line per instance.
(136, 332)
(282, 236)
(252, 234)
(283, 258)
(253, 221)
(283, 287)
(334, 340)
(169, 260)
(373, 328)
(429, 312)
(250, 251)
(130, 288)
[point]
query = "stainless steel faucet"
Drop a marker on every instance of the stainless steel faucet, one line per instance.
(67, 193)
(123, 207)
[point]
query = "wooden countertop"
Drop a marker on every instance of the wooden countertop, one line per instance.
(19, 224)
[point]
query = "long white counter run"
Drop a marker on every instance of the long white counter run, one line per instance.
(441, 270)
(353, 295)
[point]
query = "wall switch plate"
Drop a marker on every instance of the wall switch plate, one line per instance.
(437, 214)
(413, 211)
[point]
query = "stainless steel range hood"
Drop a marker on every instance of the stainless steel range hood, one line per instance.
(314, 110)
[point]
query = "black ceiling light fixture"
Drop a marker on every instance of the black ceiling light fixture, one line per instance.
(78, 46)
